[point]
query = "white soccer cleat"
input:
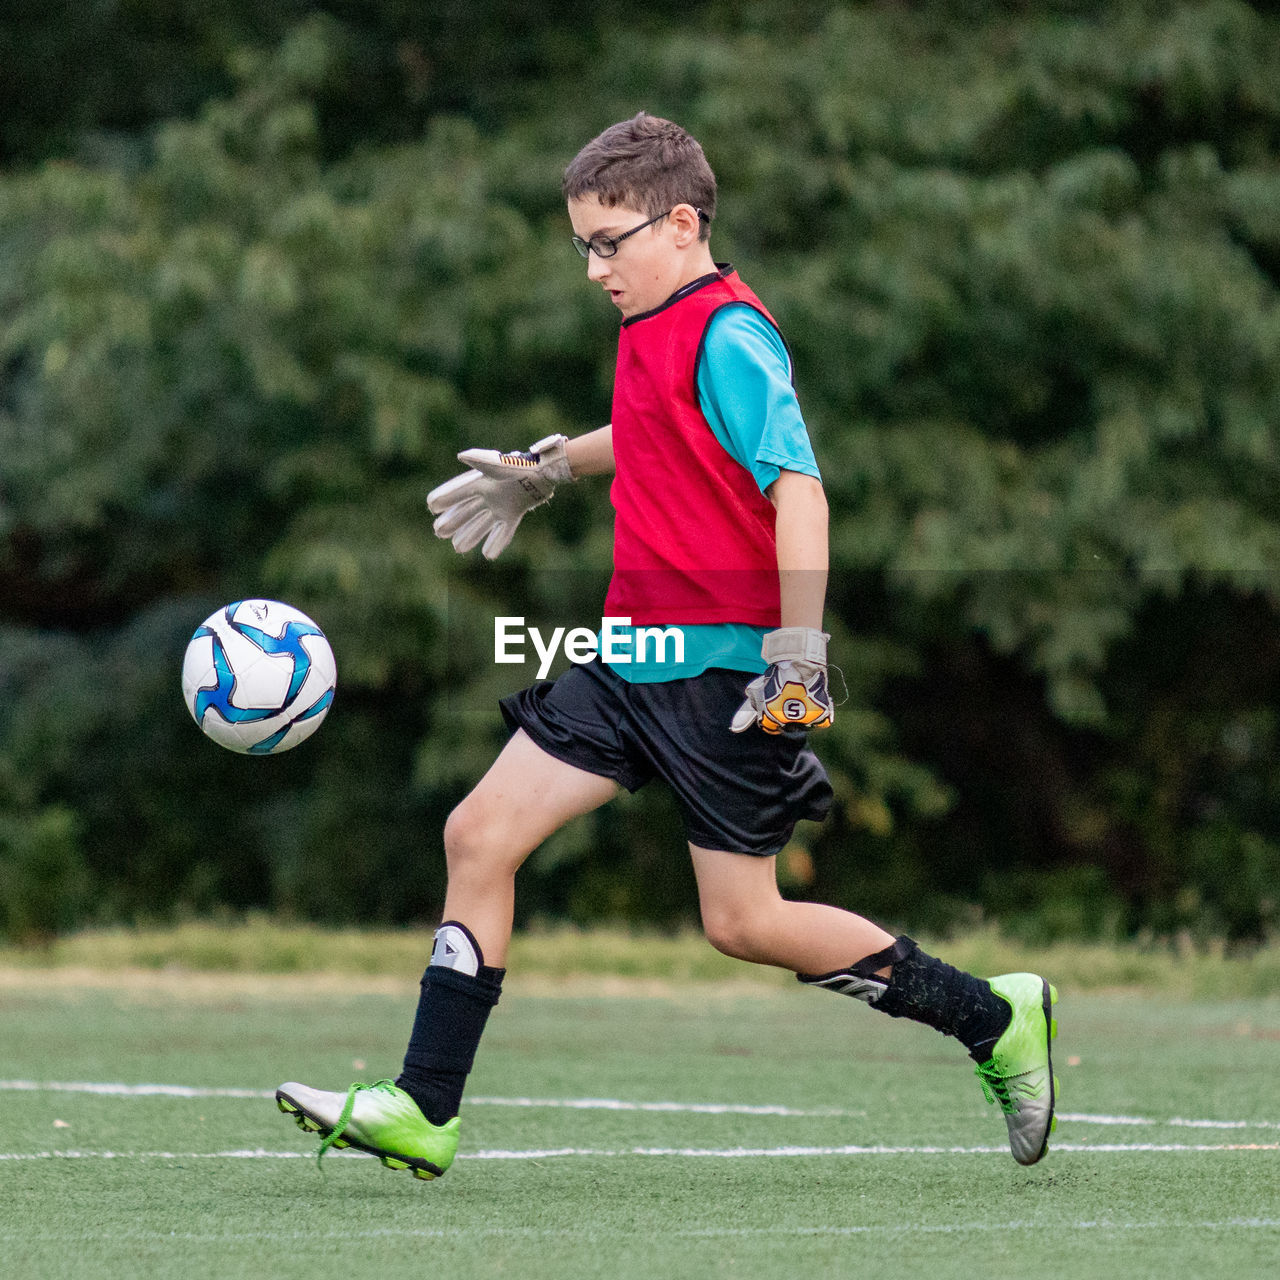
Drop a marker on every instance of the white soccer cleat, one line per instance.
(1019, 1074)
(378, 1118)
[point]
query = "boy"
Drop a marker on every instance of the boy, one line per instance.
(720, 530)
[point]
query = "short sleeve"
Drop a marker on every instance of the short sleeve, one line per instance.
(746, 396)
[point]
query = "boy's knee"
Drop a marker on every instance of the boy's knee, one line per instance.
(471, 839)
(732, 932)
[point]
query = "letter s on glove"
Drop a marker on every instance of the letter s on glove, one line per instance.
(792, 693)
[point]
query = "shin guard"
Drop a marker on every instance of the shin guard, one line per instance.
(862, 980)
(458, 991)
(926, 990)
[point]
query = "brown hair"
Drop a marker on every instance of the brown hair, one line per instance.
(645, 162)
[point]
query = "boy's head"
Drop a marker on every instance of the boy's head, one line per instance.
(642, 171)
(646, 163)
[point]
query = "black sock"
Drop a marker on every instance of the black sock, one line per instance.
(954, 1002)
(453, 1008)
(925, 990)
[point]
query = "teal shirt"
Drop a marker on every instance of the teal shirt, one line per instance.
(746, 396)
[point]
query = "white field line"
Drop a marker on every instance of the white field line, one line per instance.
(112, 1090)
(725, 1153)
(97, 1236)
(575, 1104)
(700, 1108)
(119, 1090)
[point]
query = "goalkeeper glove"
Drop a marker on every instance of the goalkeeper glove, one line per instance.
(490, 500)
(792, 693)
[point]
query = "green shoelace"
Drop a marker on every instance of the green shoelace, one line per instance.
(345, 1118)
(995, 1086)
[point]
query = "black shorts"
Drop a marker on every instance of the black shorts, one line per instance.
(738, 792)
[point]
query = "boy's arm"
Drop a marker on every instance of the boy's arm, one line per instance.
(591, 454)
(745, 392)
(792, 693)
(801, 531)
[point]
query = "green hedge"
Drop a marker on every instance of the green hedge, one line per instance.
(1026, 256)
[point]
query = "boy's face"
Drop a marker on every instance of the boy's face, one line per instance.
(648, 266)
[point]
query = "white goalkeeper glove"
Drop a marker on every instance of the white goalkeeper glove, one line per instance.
(792, 693)
(489, 501)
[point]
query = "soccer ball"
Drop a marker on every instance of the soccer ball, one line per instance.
(258, 677)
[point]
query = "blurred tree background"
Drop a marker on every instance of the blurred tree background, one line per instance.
(264, 269)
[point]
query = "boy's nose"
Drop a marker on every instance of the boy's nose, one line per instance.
(597, 268)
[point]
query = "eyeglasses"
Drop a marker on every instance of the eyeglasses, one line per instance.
(606, 246)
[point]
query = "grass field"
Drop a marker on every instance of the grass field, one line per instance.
(625, 1129)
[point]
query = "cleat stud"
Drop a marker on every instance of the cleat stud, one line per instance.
(340, 1144)
(309, 1124)
(1053, 1028)
(286, 1106)
(393, 1163)
(425, 1174)
(1053, 994)
(1053, 1125)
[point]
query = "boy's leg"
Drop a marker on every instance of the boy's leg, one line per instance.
(526, 795)
(745, 916)
(1006, 1024)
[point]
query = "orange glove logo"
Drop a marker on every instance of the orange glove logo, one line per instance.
(792, 693)
(790, 703)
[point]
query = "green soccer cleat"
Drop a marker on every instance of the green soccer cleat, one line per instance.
(378, 1118)
(1019, 1073)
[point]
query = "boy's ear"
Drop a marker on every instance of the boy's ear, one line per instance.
(685, 220)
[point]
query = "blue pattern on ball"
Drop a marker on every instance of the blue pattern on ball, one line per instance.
(268, 745)
(219, 696)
